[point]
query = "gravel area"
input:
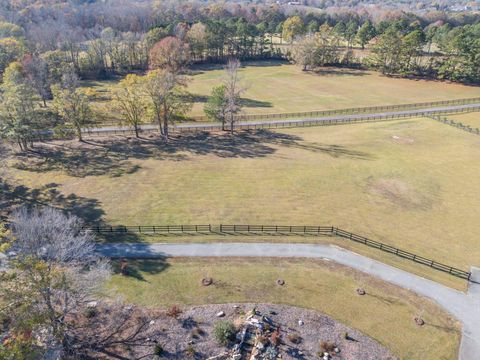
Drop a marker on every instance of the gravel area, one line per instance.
(190, 335)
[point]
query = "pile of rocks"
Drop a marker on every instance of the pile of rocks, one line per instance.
(258, 338)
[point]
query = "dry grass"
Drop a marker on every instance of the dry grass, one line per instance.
(277, 87)
(386, 313)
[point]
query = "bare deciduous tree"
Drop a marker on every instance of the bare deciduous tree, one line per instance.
(233, 90)
(52, 276)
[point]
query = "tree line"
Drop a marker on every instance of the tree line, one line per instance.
(159, 96)
(438, 51)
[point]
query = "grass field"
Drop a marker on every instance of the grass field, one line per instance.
(470, 119)
(278, 87)
(386, 313)
(409, 183)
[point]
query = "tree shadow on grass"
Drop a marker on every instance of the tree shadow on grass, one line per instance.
(335, 71)
(198, 98)
(137, 267)
(13, 195)
(115, 156)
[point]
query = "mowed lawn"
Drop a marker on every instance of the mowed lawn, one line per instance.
(470, 119)
(279, 87)
(409, 183)
(386, 313)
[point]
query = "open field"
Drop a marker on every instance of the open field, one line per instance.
(386, 313)
(278, 87)
(409, 183)
(470, 119)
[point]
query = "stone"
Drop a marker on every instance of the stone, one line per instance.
(152, 322)
(220, 314)
(280, 282)
(92, 304)
(337, 350)
(361, 291)
(207, 281)
(300, 322)
(419, 321)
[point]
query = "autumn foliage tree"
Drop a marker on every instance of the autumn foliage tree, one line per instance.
(131, 100)
(170, 54)
(168, 100)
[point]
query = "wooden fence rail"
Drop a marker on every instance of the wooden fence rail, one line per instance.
(280, 229)
(323, 113)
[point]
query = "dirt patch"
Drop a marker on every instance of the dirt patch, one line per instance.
(190, 335)
(402, 139)
(400, 193)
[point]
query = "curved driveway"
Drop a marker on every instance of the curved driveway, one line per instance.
(465, 307)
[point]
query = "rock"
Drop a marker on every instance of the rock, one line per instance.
(220, 314)
(267, 320)
(300, 322)
(419, 321)
(260, 346)
(92, 304)
(152, 322)
(207, 281)
(236, 356)
(337, 350)
(280, 282)
(361, 291)
(236, 306)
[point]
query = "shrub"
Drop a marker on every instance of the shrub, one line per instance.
(275, 338)
(326, 346)
(190, 350)
(224, 331)
(90, 312)
(158, 350)
(294, 338)
(197, 332)
(174, 311)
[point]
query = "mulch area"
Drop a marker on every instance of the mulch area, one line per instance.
(190, 334)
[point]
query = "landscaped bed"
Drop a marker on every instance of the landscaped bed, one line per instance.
(190, 334)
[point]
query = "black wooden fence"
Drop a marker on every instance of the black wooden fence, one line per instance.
(324, 113)
(290, 123)
(280, 229)
(456, 124)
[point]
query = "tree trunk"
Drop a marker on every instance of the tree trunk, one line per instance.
(165, 122)
(136, 130)
(79, 134)
(159, 120)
